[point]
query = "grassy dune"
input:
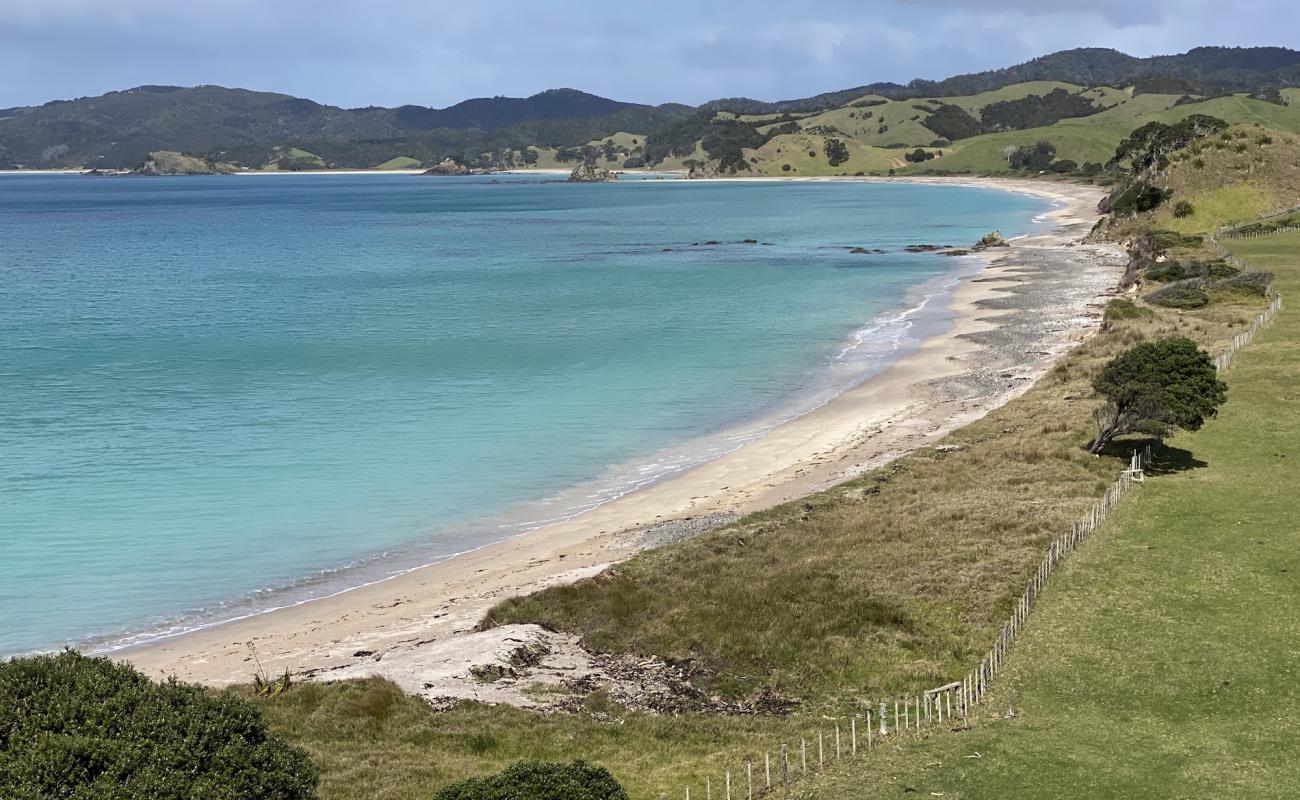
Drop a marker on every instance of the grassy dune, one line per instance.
(1161, 662)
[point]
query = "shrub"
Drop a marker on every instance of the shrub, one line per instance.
(539, 780)
(1177, 271)
(1137, 197)
(78, 727)
(1155, 387)
(1180, 294)
(1184, 208)
(1165, 240)
(1165, 272)
(635, 162)
(785, 167)
(1251, 283)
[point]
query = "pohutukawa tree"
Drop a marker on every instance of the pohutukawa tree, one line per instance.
(1154, 388)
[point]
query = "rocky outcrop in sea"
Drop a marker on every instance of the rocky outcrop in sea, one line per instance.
(587, 172)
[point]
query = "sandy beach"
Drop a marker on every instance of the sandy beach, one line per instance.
(1009, 322)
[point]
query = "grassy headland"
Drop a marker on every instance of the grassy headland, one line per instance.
(1161, 661)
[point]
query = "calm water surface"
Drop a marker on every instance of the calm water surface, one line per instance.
(223, 394)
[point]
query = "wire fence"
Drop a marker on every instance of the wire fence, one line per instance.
(1259, 233)
(852, 737)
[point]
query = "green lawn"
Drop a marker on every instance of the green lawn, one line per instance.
(1162, 660)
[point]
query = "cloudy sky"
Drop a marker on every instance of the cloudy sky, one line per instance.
(431, 52)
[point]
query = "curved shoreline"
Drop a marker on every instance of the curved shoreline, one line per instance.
(915, 400)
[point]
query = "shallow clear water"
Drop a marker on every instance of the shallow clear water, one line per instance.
(220, 394)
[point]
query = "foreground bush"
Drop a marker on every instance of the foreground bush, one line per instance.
(78, 727)
(539, 780)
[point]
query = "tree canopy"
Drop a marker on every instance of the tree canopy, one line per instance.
(78, 727)
(1150, 144)
(1155, 387)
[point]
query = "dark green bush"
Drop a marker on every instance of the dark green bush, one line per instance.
(1165, 240)
(1171, 270)
(1181, 294)
(78, 727)
(1166, 272)
(1184, 208)
(1251, 283)
(539, 780)
(1138, 197)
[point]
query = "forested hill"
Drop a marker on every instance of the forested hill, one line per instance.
(1202, 70)
(120, 129)
(968, 122)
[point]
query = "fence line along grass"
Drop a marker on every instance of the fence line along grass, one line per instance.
(963, 695)
(1159, 665)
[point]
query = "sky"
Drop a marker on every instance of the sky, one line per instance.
(429, 52)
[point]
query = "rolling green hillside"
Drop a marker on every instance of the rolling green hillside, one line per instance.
(899, 126)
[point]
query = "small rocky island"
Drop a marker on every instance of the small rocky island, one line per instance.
(587, 172)
(994, 239)
(448, 166)
(170, 162)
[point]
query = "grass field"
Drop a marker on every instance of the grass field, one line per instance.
(1162, 659)
(1094, 138)
(400, 162)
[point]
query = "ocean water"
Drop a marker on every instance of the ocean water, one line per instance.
(223, 394)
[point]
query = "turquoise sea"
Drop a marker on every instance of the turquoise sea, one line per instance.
(224, 394)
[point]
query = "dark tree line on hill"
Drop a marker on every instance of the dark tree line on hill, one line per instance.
(1035, 111)
(953, 122)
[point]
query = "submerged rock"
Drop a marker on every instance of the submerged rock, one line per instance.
(587, 172)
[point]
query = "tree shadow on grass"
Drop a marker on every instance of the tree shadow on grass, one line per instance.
(1169, 460)
(1165, 460)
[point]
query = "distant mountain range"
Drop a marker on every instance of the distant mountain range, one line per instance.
(121, 129)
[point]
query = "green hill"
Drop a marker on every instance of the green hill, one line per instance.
(1100, 118)
(120, 129)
